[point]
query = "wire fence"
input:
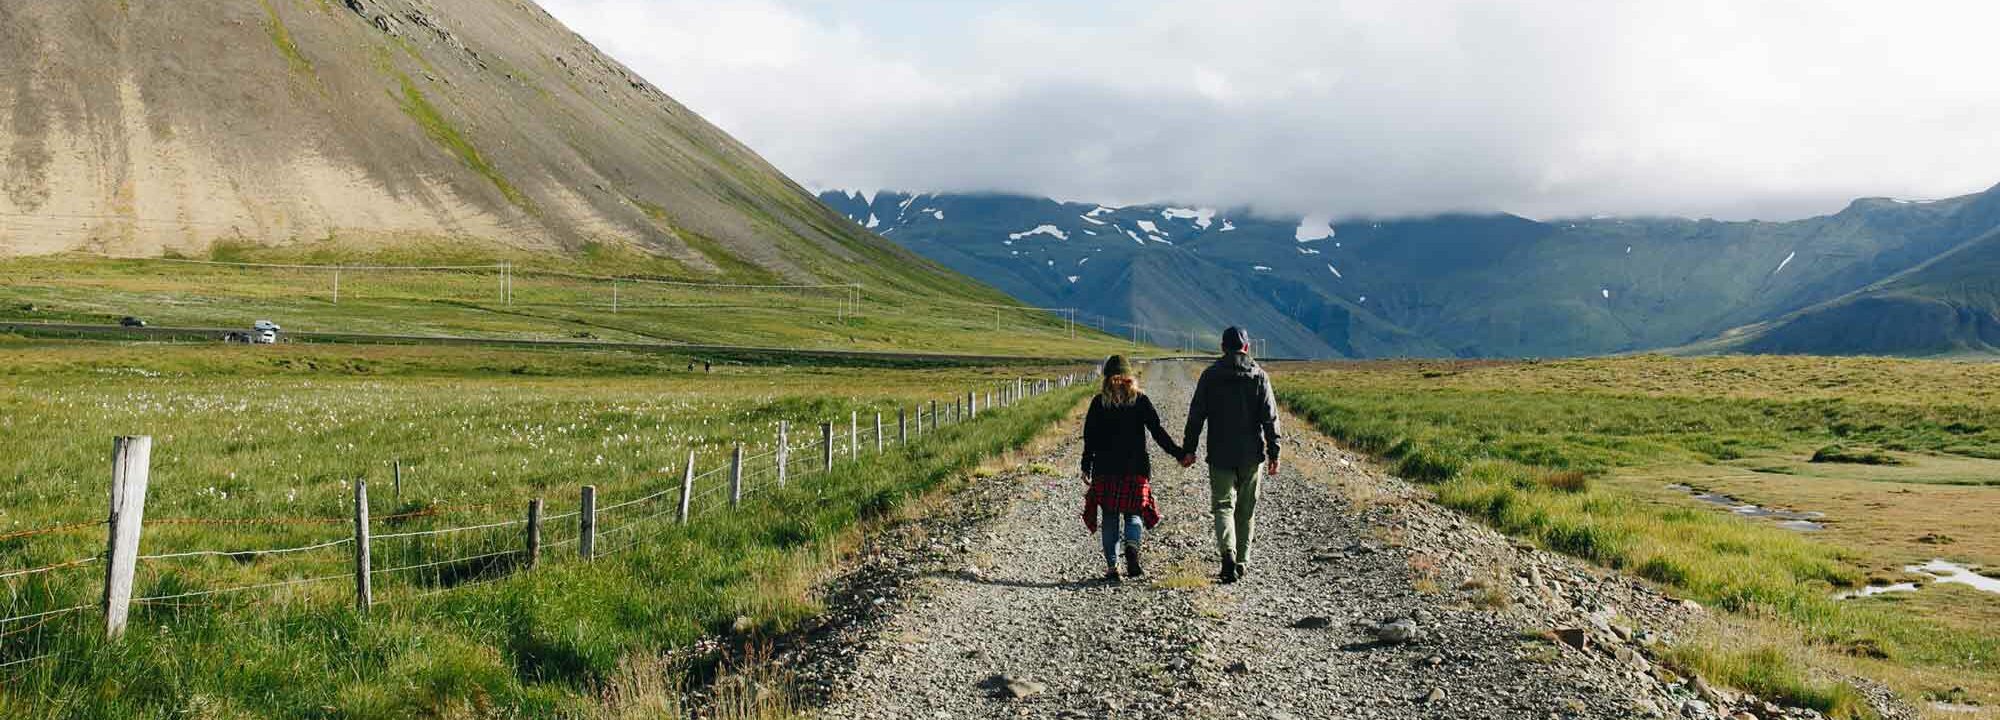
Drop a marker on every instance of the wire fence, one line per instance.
(49, 602)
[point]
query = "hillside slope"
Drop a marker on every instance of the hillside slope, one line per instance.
(138, 126)
(1947, 306)
(1455, 285)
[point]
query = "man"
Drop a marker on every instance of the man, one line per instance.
(1234, 399)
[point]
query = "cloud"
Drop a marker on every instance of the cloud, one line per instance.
(1551, 107)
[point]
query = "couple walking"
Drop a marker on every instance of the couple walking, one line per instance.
(1234, 400)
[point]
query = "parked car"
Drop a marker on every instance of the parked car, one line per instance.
(267, 337)
(265, 325)
(129, 321)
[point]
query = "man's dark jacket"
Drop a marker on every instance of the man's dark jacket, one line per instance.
(1234, 398)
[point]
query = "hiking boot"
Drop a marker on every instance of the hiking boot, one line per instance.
(1111, 575)
(1132, 568)
(1228, 569)
(1242, 571)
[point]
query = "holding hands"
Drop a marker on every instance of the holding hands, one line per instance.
(1187, 461)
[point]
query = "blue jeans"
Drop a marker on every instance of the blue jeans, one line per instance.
(1134, 530)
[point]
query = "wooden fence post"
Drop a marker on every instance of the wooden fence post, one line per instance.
(934, 416)
(364, 582)
(853, 434)
(586, 523)
(972, 405)
(534, 532)
(826, 443)
(902, 425)
(687, 488)
(131, 464)
(878, 432)
(784, 452)
(398, 465)
(736, 477)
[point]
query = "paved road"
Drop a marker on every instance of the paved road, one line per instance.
(115, 332)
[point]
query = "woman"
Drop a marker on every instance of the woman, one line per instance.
(1116, 464)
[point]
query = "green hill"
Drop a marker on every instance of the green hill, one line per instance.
(433, 132)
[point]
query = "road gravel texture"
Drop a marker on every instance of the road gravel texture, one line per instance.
(993, 609)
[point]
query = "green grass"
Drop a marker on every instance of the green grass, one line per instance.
(1543, 451)
(281, 36)
(549, 301)
(283, 435)
(1856, 456)
(420, 109)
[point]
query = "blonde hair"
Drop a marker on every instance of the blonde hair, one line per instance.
(1117, 393)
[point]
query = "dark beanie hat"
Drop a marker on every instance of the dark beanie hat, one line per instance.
(1117, 365)
(1234, 339)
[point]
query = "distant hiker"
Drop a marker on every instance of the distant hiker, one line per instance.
(1117, 466)
(690, 366)
(707, 367)
(1234, 398)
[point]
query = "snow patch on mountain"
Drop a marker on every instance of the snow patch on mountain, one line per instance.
(1158, 239)
(1335, 270)
(1261, 268)
(1313, 228)
(1091, 220)
(1202, 217)
(1074, 278)
(937, 214)
(1099, 210)
(1049, 230)
(1308, 251)
(1788, 261)
(1149, 227)
(873, 222)
(1227, 226)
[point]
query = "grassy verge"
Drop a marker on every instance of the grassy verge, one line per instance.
(546, 296)
(562, 640)
(1551, 451)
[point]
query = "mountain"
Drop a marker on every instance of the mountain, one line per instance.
(137, 127)
(1480, 285)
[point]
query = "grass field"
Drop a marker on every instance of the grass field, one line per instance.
(259, 447)
(543, 296)
(1579, 456)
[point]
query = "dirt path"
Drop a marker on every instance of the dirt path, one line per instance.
(1016, 596)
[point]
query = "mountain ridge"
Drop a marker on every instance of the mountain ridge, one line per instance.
(1463, 284)
(144, 127)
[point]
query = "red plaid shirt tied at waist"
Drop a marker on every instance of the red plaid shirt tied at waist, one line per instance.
(1127, 494)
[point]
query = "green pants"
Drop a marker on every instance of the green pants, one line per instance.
(1232, 494)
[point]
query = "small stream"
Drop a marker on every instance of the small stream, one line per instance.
(1938, 570)
(1787, 519)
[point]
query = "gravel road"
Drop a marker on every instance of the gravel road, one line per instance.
(997, 611)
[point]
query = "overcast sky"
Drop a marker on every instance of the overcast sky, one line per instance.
(1717, 108)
